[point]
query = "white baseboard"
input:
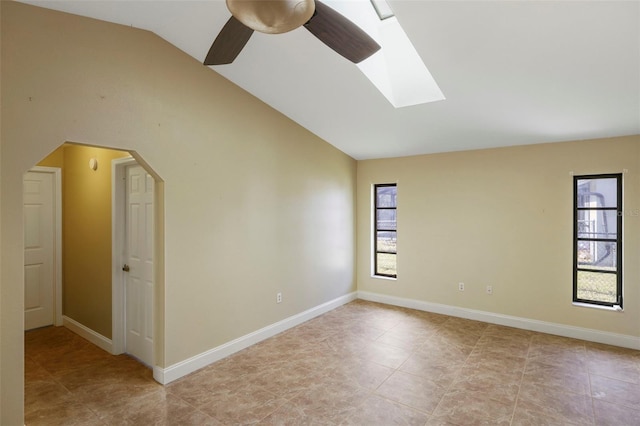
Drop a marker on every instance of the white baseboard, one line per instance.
(591, 335)
(85, 332)
(181, 369)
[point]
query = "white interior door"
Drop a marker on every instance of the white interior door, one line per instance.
(39, 244)
(139, 280)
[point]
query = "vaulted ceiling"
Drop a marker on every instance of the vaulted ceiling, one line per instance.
(513, 72)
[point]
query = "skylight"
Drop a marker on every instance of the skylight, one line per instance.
(396, 70)
(383, 9)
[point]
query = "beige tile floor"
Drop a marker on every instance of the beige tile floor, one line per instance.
(360, 364)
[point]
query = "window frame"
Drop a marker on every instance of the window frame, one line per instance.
(376, 273)
(617, 240)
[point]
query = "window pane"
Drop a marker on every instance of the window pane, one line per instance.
(597, 255)
(386, 196)
(386, 241)
(386, 219)
(385, 224)
(386, 264)
(601, 192)
(597, 224)
(597, 286)
(598, 203)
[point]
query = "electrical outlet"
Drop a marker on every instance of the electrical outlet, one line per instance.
(278, 297)
(461, 286)
(489, 289)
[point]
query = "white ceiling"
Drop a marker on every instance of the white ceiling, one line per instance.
(512, 72)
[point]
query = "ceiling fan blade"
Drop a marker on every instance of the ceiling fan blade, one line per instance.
(230, 41)
(340, 34)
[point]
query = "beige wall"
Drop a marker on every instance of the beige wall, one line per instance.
(86, 245)
(501, 217)
(253, 203)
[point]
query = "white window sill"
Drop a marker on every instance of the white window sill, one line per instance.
(615, 308)
(381, 277)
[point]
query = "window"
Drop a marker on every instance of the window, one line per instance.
(597, 253)
(384, 230)
(382, 9)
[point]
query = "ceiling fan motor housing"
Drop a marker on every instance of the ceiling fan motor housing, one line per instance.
(272, 16)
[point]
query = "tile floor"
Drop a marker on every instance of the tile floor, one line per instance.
(361, 364)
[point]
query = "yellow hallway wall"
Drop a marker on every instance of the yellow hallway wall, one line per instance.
(87, 236)
(253, 203)
(501, 217)
(54, 159)
(86, 233)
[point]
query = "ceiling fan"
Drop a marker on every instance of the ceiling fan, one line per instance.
(280, 16)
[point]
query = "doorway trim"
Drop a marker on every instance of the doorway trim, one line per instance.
(57, 237)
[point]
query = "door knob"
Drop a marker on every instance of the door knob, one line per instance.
(125, 268)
